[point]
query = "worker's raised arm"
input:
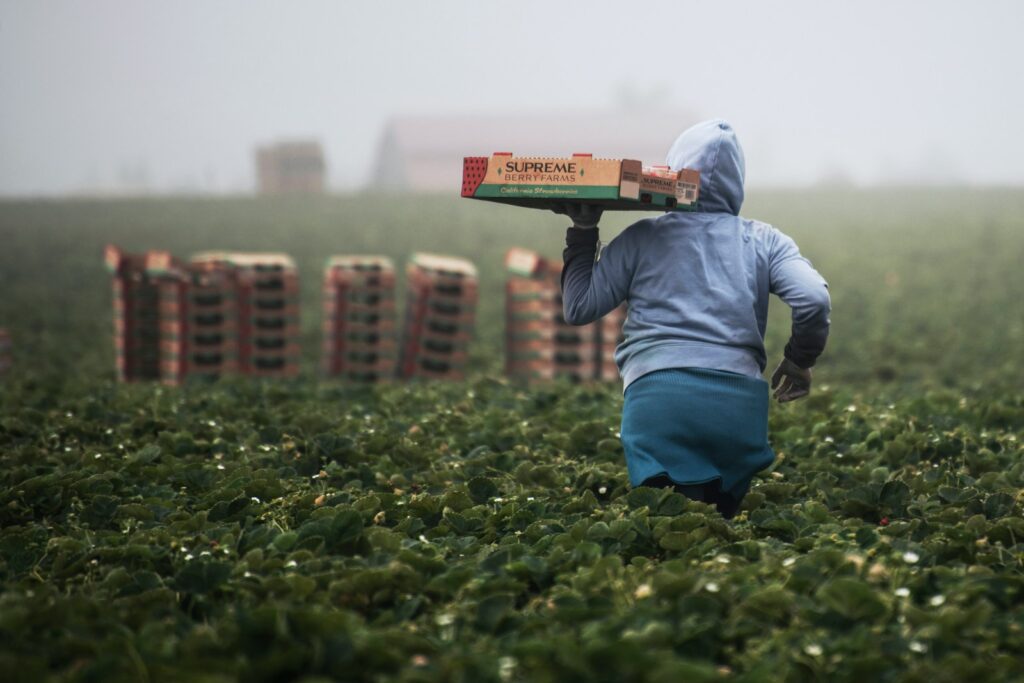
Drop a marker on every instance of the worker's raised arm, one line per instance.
(796, 282)
(592, 286)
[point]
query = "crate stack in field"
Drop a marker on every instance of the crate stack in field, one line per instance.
(199, 324)
(266, 288)
(5, 351)
(440, 314)
(136, 316)
(609, 329)
(539, 343)
(219, 314)
(359, 320)
(269, 307)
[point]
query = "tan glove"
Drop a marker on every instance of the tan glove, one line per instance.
(790, 381)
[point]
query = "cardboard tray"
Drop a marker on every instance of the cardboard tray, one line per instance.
(613, 184)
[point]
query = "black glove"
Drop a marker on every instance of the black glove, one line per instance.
(584, 216)
(790, 381)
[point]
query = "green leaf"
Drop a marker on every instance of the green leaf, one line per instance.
(998, 505)
(675, 540)
(202, 577)
(492, 610)
(772, 604)
(100, 511)
(586, 553)
(21, 548)
(459, 523)
(285, 542)
(852, 598)
(346, 527)
(497, 560)
(955, 494)
(338, 532)
(672, 503)
(147, 454)
(895, 494)
(866, 537)
(482, 489)
(228, 509)
(644, 496)
(134, 511)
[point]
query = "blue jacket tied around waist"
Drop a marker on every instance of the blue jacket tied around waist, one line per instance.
(697, 287)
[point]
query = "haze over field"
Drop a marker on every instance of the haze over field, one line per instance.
(110, 96)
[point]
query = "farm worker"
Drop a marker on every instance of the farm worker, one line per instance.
(695, 413)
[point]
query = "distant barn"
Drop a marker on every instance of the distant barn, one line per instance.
(425, 153)
(290, 168)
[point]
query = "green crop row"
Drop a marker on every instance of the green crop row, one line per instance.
(485, 531)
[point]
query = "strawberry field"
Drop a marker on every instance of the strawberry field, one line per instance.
(483, 530)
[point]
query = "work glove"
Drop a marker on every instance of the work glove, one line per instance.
(584, 216)
(790, 381)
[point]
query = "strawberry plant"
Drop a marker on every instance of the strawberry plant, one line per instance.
(485, 531)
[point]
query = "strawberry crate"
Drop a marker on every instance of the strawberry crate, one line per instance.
(359, 317)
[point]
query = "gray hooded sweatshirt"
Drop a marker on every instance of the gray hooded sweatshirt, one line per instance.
(697, 283)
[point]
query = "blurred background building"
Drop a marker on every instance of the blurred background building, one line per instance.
(389, 90)
(290, 168)
(424, 153)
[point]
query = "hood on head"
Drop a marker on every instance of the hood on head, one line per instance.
(711, 147)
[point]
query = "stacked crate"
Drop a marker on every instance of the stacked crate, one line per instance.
(266, 310)
(540, 344)
(269, 330)
(198, 324)
(136, 316)
(610, 331)
(440, 313)
(359, 318)
(5, 351)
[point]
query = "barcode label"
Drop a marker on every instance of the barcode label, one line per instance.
(689, 192)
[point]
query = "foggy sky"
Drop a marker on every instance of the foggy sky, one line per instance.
(173, 96)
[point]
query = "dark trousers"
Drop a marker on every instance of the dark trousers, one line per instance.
(708, 492)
